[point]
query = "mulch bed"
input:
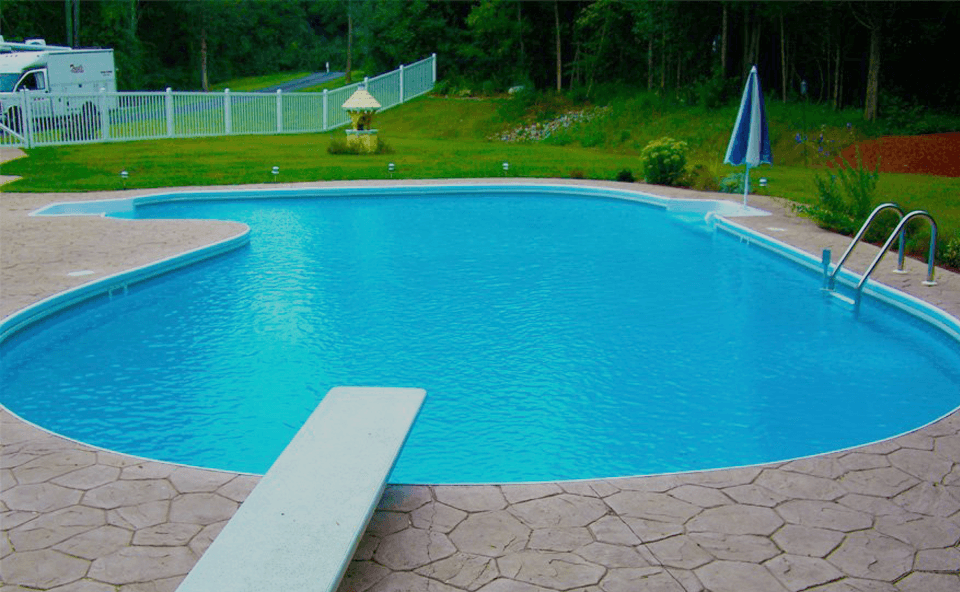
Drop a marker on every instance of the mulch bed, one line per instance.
(933, 154)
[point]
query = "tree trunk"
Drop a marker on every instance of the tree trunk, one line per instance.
(723, 43)
(595, 66)
(523, 59)
(68, 6)
(76, 23)
(556, 18)
(828, 53)
(783, 57)
(836, 81)
(663, 58)
(349, 77)
(822, 81)
(745, 65)
(575, 74)
(873, 75)
(203, 60)
(650, 63)
(679, 65)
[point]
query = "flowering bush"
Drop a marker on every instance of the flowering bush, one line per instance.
(664, 161)
(844, 199)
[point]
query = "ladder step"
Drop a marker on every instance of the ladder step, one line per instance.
(845, 301)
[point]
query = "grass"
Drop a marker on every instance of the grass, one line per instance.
(448, 138)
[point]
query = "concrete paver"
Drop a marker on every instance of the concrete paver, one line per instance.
(883, 517)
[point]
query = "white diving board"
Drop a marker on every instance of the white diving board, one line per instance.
(299, 527)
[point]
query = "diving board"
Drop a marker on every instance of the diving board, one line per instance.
(299, 527)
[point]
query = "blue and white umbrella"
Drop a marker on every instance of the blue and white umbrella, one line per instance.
(750, 140)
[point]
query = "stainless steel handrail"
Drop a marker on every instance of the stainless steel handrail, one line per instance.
(832, 278)
(883, 251)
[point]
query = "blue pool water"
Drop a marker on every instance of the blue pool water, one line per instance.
(557, 338)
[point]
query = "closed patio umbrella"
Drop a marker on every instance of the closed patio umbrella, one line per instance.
(750, 140)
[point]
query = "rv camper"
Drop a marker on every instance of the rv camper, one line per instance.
(61, 82)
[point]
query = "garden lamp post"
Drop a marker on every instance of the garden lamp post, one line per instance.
(803, 110)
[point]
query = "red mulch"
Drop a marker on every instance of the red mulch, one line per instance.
(934, 154)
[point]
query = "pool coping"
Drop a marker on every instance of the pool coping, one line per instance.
(647, 516)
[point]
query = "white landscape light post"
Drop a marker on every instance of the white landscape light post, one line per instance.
(123, 177)
(275, 172)
(390, 168)
(506, 168)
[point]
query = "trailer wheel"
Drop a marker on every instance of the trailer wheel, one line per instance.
(13, 121)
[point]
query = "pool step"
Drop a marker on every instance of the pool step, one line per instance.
(299, 527)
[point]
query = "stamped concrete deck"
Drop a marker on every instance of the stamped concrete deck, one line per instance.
(880, 518)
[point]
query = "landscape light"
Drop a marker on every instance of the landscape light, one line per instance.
(275, 171)
(763, 181)
(506, 167)
(390, 167)
(123, 177)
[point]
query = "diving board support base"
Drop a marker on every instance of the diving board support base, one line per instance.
(299, 527)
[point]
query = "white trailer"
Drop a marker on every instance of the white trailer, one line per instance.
(75, 75)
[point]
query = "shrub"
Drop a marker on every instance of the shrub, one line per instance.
(844, 200)
(341, 146)
(664, 161)
(625, 176)
(702, 177)
(441, 88)
(711, 92)
(950, 254)
(732, 183)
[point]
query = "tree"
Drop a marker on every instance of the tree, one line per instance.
(872, 16)
(496, 41)
(349, 72)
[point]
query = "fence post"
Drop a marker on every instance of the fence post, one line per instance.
(227, 115)
(27, 117)
(279, 111)
(366, 83)
(401, 83)
(434, 58)
(104, 116)
(168, 99)
(324, 109)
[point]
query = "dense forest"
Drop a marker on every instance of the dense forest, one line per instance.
(870, 55)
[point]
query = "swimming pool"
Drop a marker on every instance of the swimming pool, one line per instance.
(558, 336)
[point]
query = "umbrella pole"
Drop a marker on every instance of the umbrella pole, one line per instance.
(746, 185)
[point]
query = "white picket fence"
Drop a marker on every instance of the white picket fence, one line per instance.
(35, 118)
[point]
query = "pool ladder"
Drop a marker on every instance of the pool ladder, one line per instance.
(830, 278)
